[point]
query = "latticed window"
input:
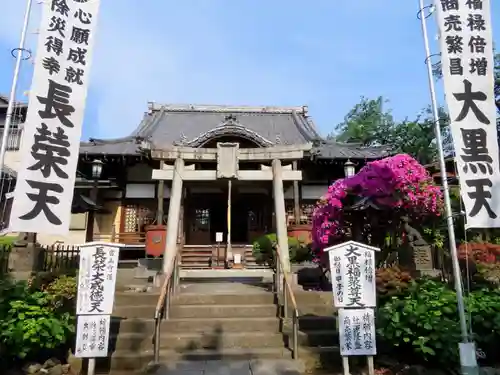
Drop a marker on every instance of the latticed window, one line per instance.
(137, 216)
(306, 212)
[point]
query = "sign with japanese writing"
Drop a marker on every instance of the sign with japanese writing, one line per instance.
(352, 268)
(467, 63)
(357, 332)
(92, 336)
(46, 177)
(97, 278)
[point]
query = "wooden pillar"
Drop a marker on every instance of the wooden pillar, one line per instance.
(296, 197)
(280, 214)
(173, 215)
(89, 233)
(160, 194)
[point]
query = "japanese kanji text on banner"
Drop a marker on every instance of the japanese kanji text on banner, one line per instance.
(97, 279)
(352, 266)
(467, 62)
(46, 178)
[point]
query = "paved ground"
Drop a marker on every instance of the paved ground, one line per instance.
(252, 367)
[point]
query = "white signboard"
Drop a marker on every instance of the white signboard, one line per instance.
(92, 336)
(357, 332)
(219, 236)
(352, 267)
(468, 64)
(51, 141)
(97, 278)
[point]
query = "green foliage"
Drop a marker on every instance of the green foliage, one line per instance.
(7, 240)
(264, 249)
(488, 274)
(370, 124)
(62, 293)
(367, 123)
(423, 324)
(435, 237)
(391, 281)
(34, 321)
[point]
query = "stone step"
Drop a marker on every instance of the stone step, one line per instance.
(202, 340)
(136, 360)
(254, 324)
(139, 311)
(207, 340)
(309, 323)
(254, 367)
(226, 324)
(261, 298)
(190, 325)
(136, 298)
(222, 311)
(201, 311)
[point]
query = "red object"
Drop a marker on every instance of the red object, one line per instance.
(156, 237)
(301, 232)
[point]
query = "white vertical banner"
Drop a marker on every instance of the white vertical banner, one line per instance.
(357, 332)
(352, 269)
(468, 73)
(97, 278)
(92, 336)
(46, 178)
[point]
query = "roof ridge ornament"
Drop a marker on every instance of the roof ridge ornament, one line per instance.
(153, 106)
(278, 139)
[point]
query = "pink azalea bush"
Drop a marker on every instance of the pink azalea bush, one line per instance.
(397, 182)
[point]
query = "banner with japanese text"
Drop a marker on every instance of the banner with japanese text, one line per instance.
(46, 178)
(467, 62)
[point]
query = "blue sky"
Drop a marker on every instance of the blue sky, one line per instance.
(248, 52)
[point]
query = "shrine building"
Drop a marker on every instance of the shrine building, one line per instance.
(216, 177)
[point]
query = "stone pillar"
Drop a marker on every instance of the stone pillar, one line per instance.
(173, 215)
(280, 214)
(160, 192)
(296, 197)
(25, 256)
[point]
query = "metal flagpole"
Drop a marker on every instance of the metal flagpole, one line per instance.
(466, 348)
(13, 90)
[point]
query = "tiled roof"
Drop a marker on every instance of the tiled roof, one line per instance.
(4, 102)
(189, 125)
(333, 150)
(194, 125)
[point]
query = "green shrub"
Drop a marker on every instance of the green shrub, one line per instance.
(62, 293)
(423, 324)
(391, 281)
(33, 322)
(488, 274)
(264, 248)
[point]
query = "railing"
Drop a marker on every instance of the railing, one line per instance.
(286, 301)
(60, 258)
(167, 292)
(13, 139)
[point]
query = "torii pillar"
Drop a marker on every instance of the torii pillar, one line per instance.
(227, 156)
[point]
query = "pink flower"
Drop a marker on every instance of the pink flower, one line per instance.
(395, 182)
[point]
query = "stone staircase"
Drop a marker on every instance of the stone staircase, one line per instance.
(204, 257)
(213, 321)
